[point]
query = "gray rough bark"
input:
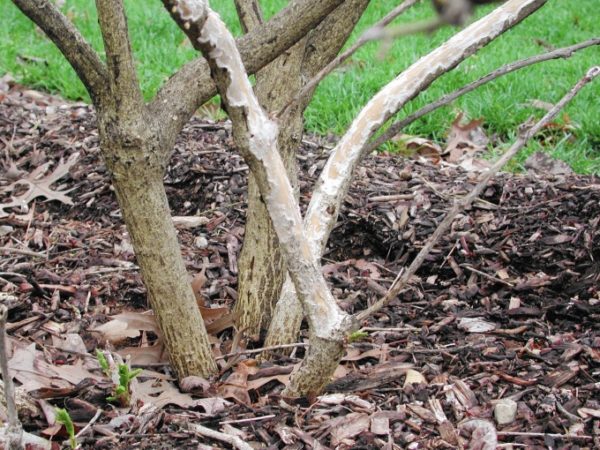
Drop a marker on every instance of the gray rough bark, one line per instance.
(134, 155)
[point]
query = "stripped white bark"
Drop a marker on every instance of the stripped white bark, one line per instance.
(256, 137)
(334, 180)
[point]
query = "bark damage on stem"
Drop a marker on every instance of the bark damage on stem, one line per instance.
(256, 136)
(335, 178)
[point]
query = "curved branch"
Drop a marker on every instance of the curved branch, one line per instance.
(192, 85)
(367, 36)
(80, 54)
(335, 178)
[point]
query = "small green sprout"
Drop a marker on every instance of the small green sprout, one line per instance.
(103, 362)
(121, 390)
(63, 417)
(357, 336)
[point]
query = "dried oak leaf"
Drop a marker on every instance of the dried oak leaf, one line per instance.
(38, 185)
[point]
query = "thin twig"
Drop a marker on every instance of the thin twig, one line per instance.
(434, 351)
(389, 330)
(543, 435)
(263, 349)
(525, 134)
(487, 275)
(213, 434)
(369, 35)
(248, 420)
(14, 432)
(90, 423)
(393, 130)
(19, 251)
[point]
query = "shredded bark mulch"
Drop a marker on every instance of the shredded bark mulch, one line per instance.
(499, 328)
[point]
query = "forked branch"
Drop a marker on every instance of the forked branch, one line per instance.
(192, 85)
(256, 137)
(333, 183)
(80, 54)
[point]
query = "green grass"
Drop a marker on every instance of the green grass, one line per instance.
(160, 49)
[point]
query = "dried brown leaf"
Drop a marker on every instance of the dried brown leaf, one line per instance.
(39, 185)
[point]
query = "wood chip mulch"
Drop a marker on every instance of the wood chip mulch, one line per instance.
(504, 314)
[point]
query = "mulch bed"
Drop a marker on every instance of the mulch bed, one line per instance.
(506, 307)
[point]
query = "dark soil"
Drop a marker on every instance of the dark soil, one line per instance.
(506, 307)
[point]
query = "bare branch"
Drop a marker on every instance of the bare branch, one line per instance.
(526, 132)
(335, 178)
(322, 45)
(80, 54)
(393, 130)
(234, 441)
(192, 85)
(367, 36)
(121, 68)
(249, 13)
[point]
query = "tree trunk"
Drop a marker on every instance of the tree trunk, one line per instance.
(322, 358)
(137, 168)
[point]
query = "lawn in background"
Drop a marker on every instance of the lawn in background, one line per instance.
(160, 48)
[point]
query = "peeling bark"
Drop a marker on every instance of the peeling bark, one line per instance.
(321, 47)
(192, 86)
(262, 269)
(256, 137)
(261, 265)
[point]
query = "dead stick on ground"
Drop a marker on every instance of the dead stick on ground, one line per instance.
(213, 434)
(14, 432)
(565, 437)
(526, 132)
(262, 349)
(565, 52)
(19, 251)
(372, 34)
